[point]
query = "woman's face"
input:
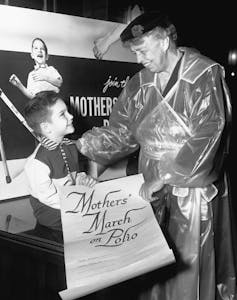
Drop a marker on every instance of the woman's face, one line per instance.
(151, 53)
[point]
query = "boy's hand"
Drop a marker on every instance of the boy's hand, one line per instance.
(101, 46)
(38, 76)
(84, 179)
(14, 80)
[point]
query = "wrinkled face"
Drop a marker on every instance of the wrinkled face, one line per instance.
(151, 53)
(60, 121)
(38, 53)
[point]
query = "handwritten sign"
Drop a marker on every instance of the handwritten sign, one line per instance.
(110, 235)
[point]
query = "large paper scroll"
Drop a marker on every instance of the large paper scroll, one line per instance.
(110, 235)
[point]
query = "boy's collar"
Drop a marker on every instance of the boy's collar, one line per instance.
(37, 67)
(51, 145)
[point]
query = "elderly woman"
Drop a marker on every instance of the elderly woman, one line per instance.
(177, 110)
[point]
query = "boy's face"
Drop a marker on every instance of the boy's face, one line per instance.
(38, 53)
(60, 121)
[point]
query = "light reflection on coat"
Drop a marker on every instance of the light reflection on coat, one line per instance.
(183, 140)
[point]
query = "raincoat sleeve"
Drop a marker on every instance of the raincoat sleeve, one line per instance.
(108, 144)
(194, 164)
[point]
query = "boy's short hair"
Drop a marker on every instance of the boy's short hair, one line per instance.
(37, 110)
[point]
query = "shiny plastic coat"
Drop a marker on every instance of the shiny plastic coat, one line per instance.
(183, 140)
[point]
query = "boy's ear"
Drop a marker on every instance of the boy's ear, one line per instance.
(45, 128)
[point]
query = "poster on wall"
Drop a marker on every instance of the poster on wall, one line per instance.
(110, 235)
(90, 87)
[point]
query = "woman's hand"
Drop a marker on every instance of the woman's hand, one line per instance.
(84, 179)
(148, 188)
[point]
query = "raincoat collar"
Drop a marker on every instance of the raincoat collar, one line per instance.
(194, 64)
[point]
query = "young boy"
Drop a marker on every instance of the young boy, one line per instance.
(43, 77)
(54, 162)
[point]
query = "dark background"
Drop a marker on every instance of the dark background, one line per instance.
(27, 273)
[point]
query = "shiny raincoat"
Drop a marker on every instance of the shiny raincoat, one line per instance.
(183, 140)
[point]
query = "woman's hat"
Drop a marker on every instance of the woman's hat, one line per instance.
(144, 23)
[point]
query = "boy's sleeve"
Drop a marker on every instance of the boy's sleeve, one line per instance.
(41, 185)
(55, 74)
(29, 84)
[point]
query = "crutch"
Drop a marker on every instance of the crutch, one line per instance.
(22, 120)
(16, 112)
(3, 156)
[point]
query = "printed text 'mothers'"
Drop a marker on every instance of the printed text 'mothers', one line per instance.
(92, 106)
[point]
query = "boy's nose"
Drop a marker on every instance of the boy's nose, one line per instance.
(70, 116)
